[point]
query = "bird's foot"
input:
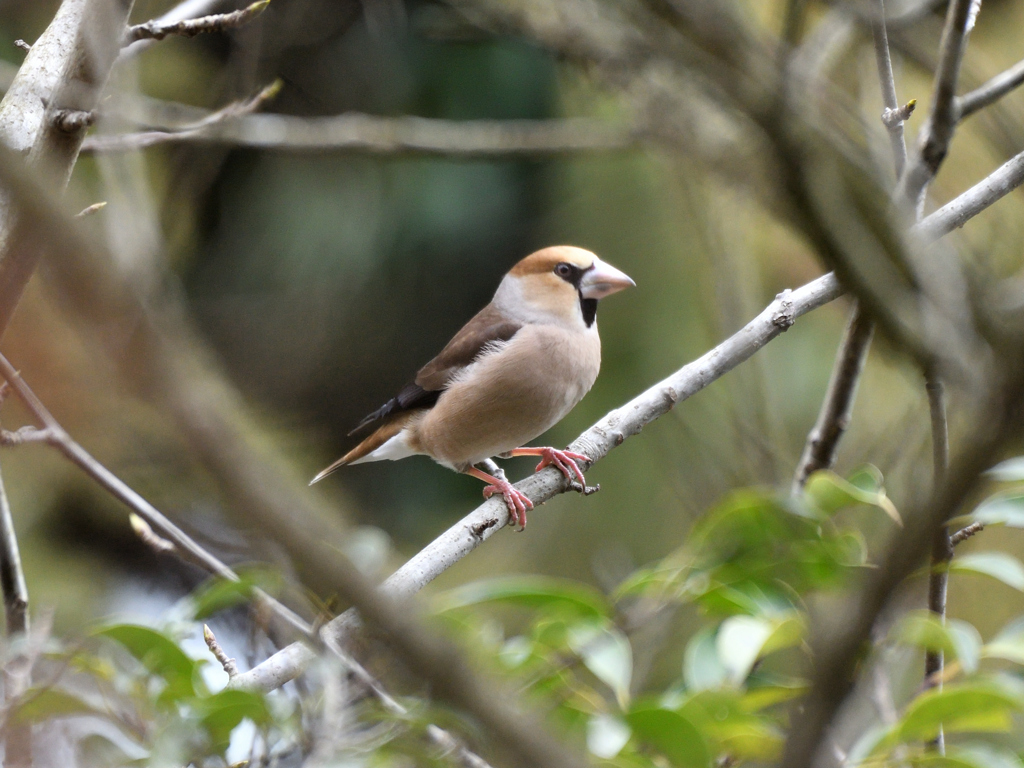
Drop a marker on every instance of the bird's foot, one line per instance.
(516, 501)
(565, 462)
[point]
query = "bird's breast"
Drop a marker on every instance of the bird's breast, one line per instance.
(511, 394)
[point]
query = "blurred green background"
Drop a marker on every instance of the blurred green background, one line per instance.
(325, 279)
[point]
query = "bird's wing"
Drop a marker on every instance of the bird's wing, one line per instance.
(488, 326)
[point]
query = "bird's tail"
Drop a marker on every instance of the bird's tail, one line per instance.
(367, 446)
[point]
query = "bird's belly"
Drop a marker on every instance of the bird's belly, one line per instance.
(508, 400)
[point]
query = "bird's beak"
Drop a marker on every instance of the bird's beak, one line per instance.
(603, 280)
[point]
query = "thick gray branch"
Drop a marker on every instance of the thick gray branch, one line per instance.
(611, 431)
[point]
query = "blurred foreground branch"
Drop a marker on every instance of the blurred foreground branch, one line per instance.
(158, 29)
(65, 70)
(196, 399)
(375, 134)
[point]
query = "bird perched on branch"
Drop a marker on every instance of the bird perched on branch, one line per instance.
(513, 371)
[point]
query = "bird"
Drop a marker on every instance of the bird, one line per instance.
(511, 373)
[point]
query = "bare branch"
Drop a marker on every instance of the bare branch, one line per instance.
(90, 210)
(942, 548)
(965, 533)
(937, 131)
(836, 652)
(65, 70)
(220, 22)
(969, 204)
(141, 518)
(187, 9)
(834, 417)
(991, 91)
(184, 544)
(17, 738)
(893, 116)
(229, 664)
(610, 432)
(375, 134)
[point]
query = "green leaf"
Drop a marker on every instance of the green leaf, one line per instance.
(158, 654)
(222, 712)
(970, 756)
(1001, 509)
(607, 653)
(828, 492)
(739, 643)
(606, 735)
(982, 706)
(702, 668)
(742, 640)
(729, 728)
(1009, 471)
(672, 735)
(530, 591)
(43, 703)
(1008, 644)
(958, 638)
(220, 594)
(999, 565)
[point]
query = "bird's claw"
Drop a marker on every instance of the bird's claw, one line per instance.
(516, 501)
(565, 462)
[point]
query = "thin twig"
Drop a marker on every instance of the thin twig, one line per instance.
(942, 548)
(834, 417)
(17, 738)
(448, 743)
(187, 9)
(937, 131)
(991, 91)
(185, 546)
(965, 533)
(375, 134)
(892, 117)
(229, 664)
(219, 22)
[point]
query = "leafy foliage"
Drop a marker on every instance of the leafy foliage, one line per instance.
(714, 688)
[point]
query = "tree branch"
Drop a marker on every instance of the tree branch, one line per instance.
(184, 545)
(375, 134)
(834, 417)
(969, 204)
(937, 131)
(144, 515)
(158, 29)
(187, 9)
(610, 432)
(17, 737)
(836, 652)
(65, 69)
(942, 547)
(991, 91)
(892, 118)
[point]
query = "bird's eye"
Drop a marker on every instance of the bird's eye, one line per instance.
(564, 270)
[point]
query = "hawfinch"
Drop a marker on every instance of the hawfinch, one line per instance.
(515, 370)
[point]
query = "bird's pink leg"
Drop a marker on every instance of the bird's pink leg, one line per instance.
(517, 501)
(565, 461)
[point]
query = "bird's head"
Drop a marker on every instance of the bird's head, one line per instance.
(561, 282)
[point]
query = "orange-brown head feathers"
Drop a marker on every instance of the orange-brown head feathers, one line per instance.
(558, 284)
